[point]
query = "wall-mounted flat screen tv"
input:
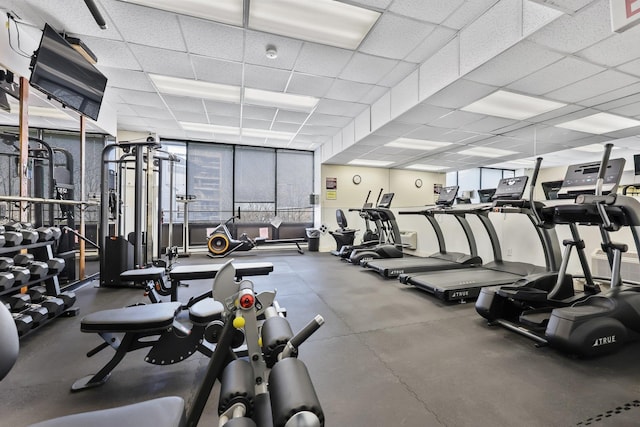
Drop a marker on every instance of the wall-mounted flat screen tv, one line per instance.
(65, 75)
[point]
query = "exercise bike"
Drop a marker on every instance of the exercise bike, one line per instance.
(221, 242)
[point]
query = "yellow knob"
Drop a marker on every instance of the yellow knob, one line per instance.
(260, 342)
(238, 322)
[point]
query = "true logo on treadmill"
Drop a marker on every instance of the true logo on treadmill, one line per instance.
(611, 339)
(459, 294)
(396, 272)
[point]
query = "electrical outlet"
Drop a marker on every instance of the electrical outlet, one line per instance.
(509, 252)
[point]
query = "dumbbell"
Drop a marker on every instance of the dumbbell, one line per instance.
(23, 322)
(29, 236)
(21, 303)
(6, 280)
(56, 265)
(21, 275)
(37, 269)
(10, 238)
(56, 304)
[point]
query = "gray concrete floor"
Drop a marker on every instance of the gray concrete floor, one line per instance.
(388, 355)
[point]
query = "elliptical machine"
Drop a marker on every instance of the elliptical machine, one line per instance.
(370, 238)
(546, 311)
(221, 242)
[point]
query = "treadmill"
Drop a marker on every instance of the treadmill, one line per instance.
(441, 260)
(464, 284)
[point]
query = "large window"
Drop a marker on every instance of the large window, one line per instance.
(295, 184)
(210, 180)
(255, 183)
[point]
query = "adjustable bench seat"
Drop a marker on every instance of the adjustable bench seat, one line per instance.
(206, 311)
(139, 318)
(209, 271)
(141, 275)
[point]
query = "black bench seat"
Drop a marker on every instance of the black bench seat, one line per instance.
(209, 271)
(141, 318)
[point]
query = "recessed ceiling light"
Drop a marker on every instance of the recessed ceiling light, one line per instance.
(365, 162)
(232, 130)
(46, 112)
(428, 168)
(600, 123)
(321, 21)
(417, 144)
(226, 11)
(593, 148)
(486, 152)
(206, 127)
(196, 88)
(286, 101)
(512, 105)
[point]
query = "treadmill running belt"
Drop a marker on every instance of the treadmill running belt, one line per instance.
(390, 268)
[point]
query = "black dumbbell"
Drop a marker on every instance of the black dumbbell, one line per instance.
(37, 269)
(21, 303)
(56, 265)
(23, 322)
(12, 238)
(68, 297)
(29, 235)
(21, 275)
(6, 280)
(39, 295)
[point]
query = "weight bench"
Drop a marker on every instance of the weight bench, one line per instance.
(153, 279)
(264, 242)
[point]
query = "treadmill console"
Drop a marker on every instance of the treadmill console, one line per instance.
(447, 196)
(510, 188)
(385, 202)
(486, 194)
(582, 178)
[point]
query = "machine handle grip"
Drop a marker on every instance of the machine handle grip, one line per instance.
(603, 168)
(532, 187)
(296, 341)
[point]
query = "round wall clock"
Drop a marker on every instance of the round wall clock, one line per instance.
(356, 179)
(418, 183)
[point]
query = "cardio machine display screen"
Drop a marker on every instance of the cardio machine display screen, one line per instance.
(510, 188)
(447, 195)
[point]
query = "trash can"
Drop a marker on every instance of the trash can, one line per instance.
(313, 238)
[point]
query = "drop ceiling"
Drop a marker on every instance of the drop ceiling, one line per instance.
(413, 76)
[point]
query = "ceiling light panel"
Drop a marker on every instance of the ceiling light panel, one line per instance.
(226, 11)
(285, 101)
(322, 21)
(486, 152)
(196, 88)
(600, 123)
(427, 168)
(417, 144)
(512, 105)
(205, 127)
(365, 162)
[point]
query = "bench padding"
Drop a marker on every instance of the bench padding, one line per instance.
(139, 318)
(142, 274)
(162, 412)
(206, 311)
(209, 271)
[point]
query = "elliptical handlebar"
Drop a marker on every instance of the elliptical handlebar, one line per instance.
(532, 186)
(603, 168)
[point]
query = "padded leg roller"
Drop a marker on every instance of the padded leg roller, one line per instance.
(293, 395)
(236, 386)
(276, 332)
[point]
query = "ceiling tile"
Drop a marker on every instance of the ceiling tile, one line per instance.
(182, 103)
(395, 36)
(125, 110)
(328, 120)
(632, 67)
(456, 119)
(428, 132)
(374, 94)
(322, 60)
(615, 50)
(135, 97)
(402, 70)
(256, 46)
(435, 41)
(224, 120)
(256, 124)
(559, 115)
(111, 53)
(212, 39)
(513, 64)
(486, 124)
(145, 25)
(320, 130)
(614, 95)
(162, 61)
(631, 110)
(190, 116)
(127, 79)
(335, 107)
(285, 127)
(592, 86)
(423, 114)
(467, 13)
(345, 90)
(396, 129)
(570, 34)
(260, 113)
(306, 84)
(367, 69)
(434, 11)
(564, 72)
(217, 71)
(373, 4)
(291, 117)
(222, 108)
(265, 78)
(460, 94)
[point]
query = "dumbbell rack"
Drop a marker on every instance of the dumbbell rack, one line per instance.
(42, 251)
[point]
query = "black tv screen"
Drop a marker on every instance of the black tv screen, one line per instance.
(636, 164)
(66, 76)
